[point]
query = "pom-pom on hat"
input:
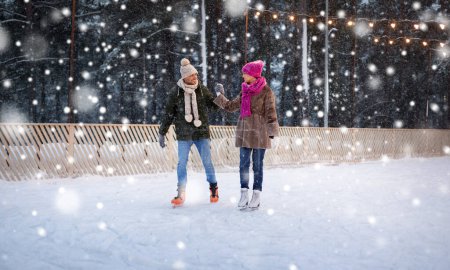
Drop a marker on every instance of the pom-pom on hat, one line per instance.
(186, 68)
(254, 68)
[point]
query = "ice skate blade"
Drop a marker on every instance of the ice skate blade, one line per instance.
(249, 209)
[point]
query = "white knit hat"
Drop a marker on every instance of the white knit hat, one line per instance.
(186, 68)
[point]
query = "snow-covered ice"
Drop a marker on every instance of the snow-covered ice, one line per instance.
(377, 215)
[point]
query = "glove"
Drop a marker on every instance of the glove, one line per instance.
(162, 141)
(271, 137)
(219, 89)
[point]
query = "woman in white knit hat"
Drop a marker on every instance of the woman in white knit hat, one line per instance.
(187, 108)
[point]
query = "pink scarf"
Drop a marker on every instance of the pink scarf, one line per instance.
(248, 91)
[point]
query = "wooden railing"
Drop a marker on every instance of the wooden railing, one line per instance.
(37, 151)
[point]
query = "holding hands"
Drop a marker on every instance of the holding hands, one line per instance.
(219, 89)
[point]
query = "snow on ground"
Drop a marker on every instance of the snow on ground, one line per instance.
(378, 215)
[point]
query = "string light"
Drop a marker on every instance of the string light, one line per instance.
(442, 25)
(392, 40)
(418, 25)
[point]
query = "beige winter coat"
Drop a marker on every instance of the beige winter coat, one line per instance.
(254, 131)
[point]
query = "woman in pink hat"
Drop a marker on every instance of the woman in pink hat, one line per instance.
(257, 124)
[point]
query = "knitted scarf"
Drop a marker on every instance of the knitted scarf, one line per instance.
(249, 90)
(189, 95)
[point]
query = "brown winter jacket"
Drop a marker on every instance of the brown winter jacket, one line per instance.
(254, 131)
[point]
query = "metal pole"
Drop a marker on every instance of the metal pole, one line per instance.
(70, 102)
(203, 46)
(326, 98)
(246, 36)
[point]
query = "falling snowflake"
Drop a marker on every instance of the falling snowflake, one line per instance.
(35, 46)
(66, 12)
(134, 53)
(416, 5)
(374, 82)
(7, 83)
(341, 14)
(416, 202)
(362, 29)
(372, 220)
(83, 27)
(372, 67)
(390, 70)
(41, 232)
(318, 81)
(434, 107)
(235, 7)
(102, 225)
(99, 205)
(446, 150)
(190, 24)
(67, 201)
(181, 245)
(398, 123)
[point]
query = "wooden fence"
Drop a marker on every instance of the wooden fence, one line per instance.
(38, 151)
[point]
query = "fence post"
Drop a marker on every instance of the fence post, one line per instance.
(70, 150)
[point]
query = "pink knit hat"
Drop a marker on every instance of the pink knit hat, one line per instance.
(254, 68)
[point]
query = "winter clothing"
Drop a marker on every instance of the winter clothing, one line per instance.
(190, 102)
(257, 156)
(175, 114)
(248, 91)
(254, 68)
(187, 69)
(254, 131)
(256, 125)
(180, 198)
(243, 201)
(214, 191)
(186, 103)
(203, 147)
(256, 199)
(162, 141)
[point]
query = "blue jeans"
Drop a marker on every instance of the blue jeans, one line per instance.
(244, 165)
(205, 154)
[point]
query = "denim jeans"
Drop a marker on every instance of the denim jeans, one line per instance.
(204, 150)
(244, 165)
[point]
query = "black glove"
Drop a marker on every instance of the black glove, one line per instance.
(271, 137)
(219, 89)
(162, 141)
